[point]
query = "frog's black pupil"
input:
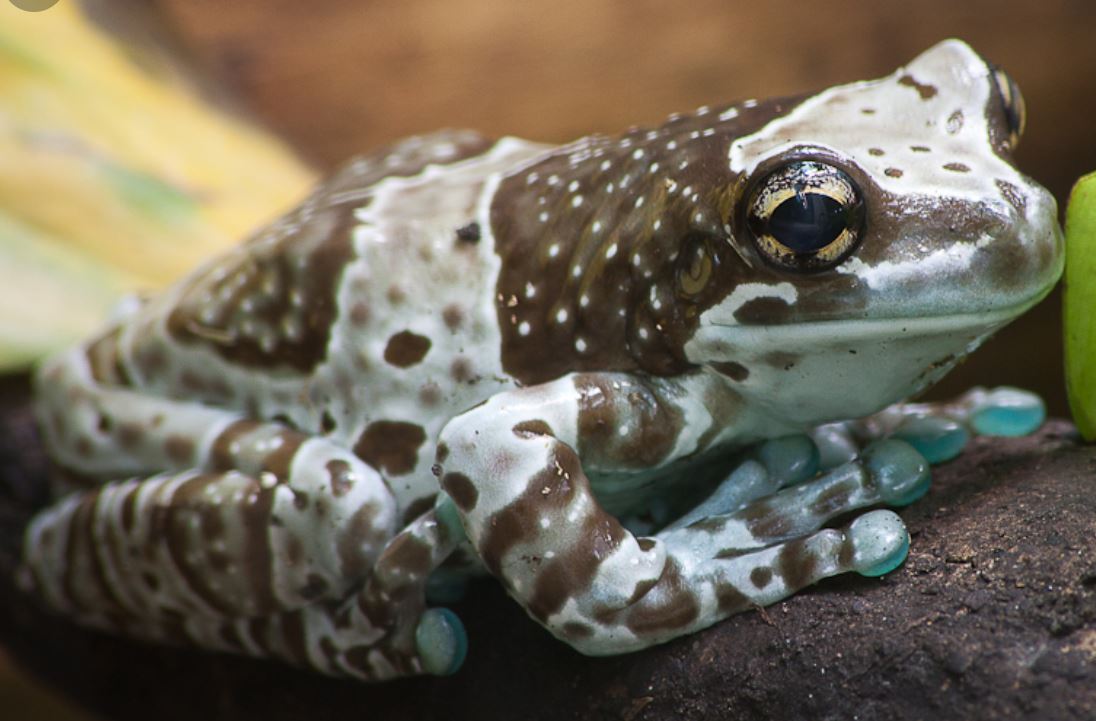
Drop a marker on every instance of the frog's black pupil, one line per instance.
(808, 222)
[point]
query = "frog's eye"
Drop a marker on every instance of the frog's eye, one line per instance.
(806, 216)
(1013, 104)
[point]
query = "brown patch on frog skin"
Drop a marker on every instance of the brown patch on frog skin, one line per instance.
(573, 570)
(469, 233)
(1012, 195)
(391, 446)
(430, 394)
(359, 540)
(731, 369)
(766, 310)
(271, 304)
(549, 491)
(832, 500)
(668, 605)
(410, 554)
(925, 90)
(129, 435)
(340, 477)
(781, 359)
(761, 576)
(957, 167)
(405, 349)
(461, 489)
(179, 450)
(876, 152)
(576, 630)
(604, 404)
(591, 236)
(453, 316)
(730, 599)
(893, 172)
(105, 360)
(416, 508)
(766, 521)
(360, 314)
(796, 564)
(461, 370)
(920, 149)
(528, 429)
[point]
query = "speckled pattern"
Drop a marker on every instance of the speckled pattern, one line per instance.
(563, 340)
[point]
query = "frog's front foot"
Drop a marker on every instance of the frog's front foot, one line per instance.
(939, 430)
(512, 471)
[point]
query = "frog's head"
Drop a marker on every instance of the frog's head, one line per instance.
(884, 232)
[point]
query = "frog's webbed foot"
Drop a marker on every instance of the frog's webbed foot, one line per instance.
(939, 430)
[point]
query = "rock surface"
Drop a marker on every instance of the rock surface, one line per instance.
(992, 617)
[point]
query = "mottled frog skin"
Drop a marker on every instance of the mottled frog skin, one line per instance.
(461, 354)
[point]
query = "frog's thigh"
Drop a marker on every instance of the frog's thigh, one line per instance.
(243, 518)
(510, 466)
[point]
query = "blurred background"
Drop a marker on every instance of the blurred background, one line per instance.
(336, 77)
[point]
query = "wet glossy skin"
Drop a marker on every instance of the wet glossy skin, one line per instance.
(558, 338)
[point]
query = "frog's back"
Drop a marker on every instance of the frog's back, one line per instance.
(367, 314)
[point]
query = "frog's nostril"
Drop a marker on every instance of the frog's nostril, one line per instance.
(1012, 103)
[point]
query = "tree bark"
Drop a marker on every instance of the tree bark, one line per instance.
(992, 617)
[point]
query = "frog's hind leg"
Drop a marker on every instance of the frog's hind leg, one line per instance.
(227, 524)
(939, 430)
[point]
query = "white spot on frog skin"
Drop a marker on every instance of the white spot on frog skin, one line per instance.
(939, 262)
(728, 114)
(605, 165)
(639, 202)
(543, 217)
(553, 179)
(596, 227)
(576, 201)
(583, 301)
(524, 328)
(638, 154)
(572, 186)
(611, 251)
(553, 250)
(580, 345)
(530, 290)
(576, 271)
(561, 315)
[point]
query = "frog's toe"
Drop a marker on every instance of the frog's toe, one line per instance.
(835, 444)
(789, 460)
(441, 641)
(1007, 411)
(900, 473)
(937, 438)
(879, 542)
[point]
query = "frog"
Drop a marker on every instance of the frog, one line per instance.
(635, 378)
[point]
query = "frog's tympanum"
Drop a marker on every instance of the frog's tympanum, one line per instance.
(631, 377)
